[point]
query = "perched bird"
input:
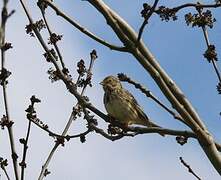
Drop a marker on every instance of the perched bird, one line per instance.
(121, 105)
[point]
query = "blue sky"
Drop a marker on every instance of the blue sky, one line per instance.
(178, 49)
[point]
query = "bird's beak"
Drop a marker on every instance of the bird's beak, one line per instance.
(101, 83)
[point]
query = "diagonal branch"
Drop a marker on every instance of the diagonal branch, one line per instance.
(71, 118)
(190, 170)
(6, 173)
(56, 135)
(171, 91)
(82, 29)
(146, 19)
(216, 69)
(54, 43)
(25, 148)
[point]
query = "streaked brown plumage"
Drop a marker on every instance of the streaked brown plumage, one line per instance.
(121, 105)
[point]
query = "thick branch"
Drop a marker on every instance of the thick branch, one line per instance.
(128, 36)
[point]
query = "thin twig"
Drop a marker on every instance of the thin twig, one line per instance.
(196, 5)
(45, 165)
(190, 170)
(145, 22)
(206, 36)
(50, 33)
(83, 30)
(106, 135)
(70, 85)
(141, 130)
(6, 174)
(147, 130)
(193, 5)
(72, 117)
(4, 19)
(56, 135)
(25, 148)
(39, 37)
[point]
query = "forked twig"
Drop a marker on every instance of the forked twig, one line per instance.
(72, 117)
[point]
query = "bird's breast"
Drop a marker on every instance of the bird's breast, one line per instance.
(121, 110)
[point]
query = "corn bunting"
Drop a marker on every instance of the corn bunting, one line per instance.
(121, 105)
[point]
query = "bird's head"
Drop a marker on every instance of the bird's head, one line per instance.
(111, 83)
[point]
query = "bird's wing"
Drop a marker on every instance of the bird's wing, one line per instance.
(143, 118)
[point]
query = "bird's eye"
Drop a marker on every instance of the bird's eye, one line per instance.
(109, 81)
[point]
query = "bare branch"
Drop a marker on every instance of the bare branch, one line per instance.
(146, 18)
(72, 117)
(84, 30)
(54, 43)
(196, 5)
(25, 148)
(144, 130)
(189, 168)
(4, 19)
(106, 135)
(5, 171)
(70, 85)
(167, 13)
(56, 135)
(216, 69)
(147, 130)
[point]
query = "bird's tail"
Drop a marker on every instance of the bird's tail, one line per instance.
(145, 121)
(149, 123)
